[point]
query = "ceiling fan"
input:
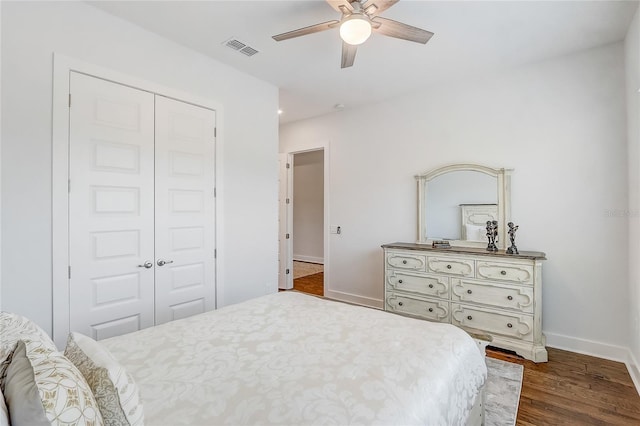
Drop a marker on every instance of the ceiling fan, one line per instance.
(359, 19)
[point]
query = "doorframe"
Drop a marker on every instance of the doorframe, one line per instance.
(62, 67)
(287, 257)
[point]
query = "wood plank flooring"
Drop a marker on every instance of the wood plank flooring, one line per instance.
(574, 389)
(312, 284)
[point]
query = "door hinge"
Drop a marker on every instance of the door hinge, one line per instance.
(69, 186)
(69, 100)
(215, 132)
(215, 253)
(69, 272)
(288, 166)
(288, 201)
(215, 193)
(287, 272)
(286, 236)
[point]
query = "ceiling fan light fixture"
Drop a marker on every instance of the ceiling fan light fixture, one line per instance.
(355, 29)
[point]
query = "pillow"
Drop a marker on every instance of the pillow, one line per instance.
(14, 327)
(4, 413)
(44, 388)
(115, 391)
(475, 232)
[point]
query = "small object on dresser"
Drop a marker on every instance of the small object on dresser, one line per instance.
(492, 235)
(512, 236)
(440, 244)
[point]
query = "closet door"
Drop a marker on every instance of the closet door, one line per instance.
(185, 209)
(111, 207)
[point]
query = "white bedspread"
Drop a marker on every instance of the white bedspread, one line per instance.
(294, 359)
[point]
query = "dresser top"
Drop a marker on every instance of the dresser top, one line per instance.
(476, 251)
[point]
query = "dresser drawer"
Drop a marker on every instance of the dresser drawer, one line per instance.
(518, 326)
(432, 309)
(505, 296)
(520, 273)
(459, 266)
(412, 282)
(407, 261)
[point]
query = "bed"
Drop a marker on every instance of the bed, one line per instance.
(294, 359)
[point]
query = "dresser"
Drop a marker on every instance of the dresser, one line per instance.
(489, 293)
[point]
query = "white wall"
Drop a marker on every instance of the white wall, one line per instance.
(31, 32)
(560, 124)
(632, 61)
(1, 308)
(308, 206)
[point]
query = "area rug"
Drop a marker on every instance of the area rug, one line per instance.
(504, 383)
(302, 269)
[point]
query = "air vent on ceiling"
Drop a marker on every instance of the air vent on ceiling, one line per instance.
(241, 47)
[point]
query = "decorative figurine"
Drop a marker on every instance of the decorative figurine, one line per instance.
(492, 234)
(512, 236)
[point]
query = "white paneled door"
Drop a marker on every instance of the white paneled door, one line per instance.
(141, 208)
(111, 208)
(185, 146)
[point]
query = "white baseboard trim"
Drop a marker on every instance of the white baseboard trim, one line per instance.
(634, 370)
(597, 349)
(308, 259)
(353, 298)
(587, 347)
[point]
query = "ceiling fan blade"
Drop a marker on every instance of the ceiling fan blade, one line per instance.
(374, 7)
(337, 3)
(348, 54)
(306, 30)
(397, 29)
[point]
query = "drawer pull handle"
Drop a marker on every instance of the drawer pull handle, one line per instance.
(400, 303)
(509, 325)
(399, 281)
(469, 292)
(510, 297)
(430, 309)
(469, 317)
(503, 272)
(448, 266)
(404, 262)
(430, 285)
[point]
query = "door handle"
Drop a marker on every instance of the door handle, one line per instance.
(164, 262)
(148, 264)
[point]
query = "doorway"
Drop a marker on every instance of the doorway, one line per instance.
(302, 217)
(308, 222)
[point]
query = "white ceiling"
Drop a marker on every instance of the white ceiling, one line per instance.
(471, 38)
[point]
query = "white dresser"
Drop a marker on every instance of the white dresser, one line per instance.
(491, 293)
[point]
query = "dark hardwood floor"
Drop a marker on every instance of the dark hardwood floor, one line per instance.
(312, 284)
(575, 389)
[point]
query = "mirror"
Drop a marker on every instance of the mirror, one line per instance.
(456, 201)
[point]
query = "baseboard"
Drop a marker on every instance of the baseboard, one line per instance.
(587, 347)
(353, 298)
(598, 349)
(308, 259)
(634, 370)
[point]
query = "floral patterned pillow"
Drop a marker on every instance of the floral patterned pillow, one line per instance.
(14, 327)
(115, 391)
(44, 388)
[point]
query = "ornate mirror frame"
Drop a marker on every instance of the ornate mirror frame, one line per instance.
(504, 201)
